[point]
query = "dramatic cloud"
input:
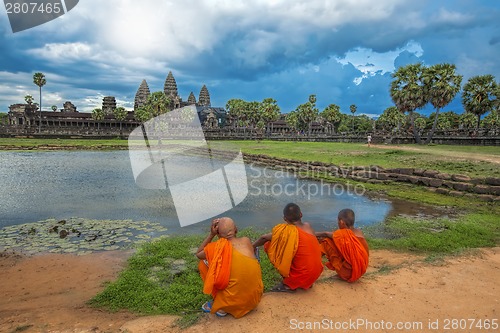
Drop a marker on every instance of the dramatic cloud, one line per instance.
(344, 51)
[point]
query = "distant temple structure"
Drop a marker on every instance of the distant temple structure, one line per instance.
(27, 118)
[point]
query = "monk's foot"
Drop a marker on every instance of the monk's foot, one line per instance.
(221, 313)
(257, 254)
(281, 287)
(206, 307)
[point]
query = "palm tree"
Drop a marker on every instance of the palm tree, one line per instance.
(467, 120)
(159, 103)
(407, 91)
(480, 95)
(353, 109)
(120, 114)
(307, 113)
(39, 80)
(331, 115)
(98, 114)
(269, 111)
(391, 119)
(441, 85)
(28, 99)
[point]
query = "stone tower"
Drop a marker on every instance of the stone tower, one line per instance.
(170, 86)
(142, 95)
(108, 104)
(191, 99)
(204, 99)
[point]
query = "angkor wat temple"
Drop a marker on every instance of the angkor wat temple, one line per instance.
(27, 119)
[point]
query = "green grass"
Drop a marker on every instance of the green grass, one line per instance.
(148, 286)
(437, 236)
(470, 160)
(450, 159)
(81, 143)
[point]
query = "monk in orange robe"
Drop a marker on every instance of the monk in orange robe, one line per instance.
(346, 249)
(229, 270)
(293, 249)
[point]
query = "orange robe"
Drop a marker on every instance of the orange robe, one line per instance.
(241, 291)
(347, 254)
(300, 253)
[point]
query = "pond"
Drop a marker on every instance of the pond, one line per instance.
(100, 185)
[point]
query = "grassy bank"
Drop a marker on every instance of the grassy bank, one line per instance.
(77, 143)
(162, 278)
(474, 161)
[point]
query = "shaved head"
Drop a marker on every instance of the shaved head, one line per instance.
(347, 215)
(292, 213)
(226, 227)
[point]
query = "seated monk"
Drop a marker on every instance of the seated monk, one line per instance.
(293, 249)
(229, 270)
(346, 249)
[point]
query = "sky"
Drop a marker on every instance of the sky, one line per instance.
(344, 51)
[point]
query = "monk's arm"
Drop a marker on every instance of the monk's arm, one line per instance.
(262, 240)
(323, 234)
(200, 253)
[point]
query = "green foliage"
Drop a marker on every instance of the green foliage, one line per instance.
(480, 95)
(120, 113)
(253, 114)
(391, 119)
(437, 235)
(97, 114)
(331, 115)
(420, 123)
(28, 99)
(307, 113)
(40, 81)
(492, 120)
(467, 120)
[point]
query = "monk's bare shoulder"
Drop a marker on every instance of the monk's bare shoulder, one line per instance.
(358, 233)
(244, 246)
(307, 228)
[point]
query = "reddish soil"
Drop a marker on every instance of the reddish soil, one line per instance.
(48, 293)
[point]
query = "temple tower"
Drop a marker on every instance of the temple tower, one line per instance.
(191, 99)
(170, 87)
(142, 95)
(108, 104)
(204, 99)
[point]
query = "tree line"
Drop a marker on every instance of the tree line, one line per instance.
(413, 87)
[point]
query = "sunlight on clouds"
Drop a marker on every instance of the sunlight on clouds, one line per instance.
(371, 63)
(63, 52)
(446, 16)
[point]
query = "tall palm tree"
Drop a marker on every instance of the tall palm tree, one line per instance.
(331, 115)
(98, 114)
(307, 113)
(480, 95)
(269, 110)
(353, 109)
(39, 80)
(407, 92)
(441, 85)
(120, 114)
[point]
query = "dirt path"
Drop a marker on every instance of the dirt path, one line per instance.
(444, 153)
(48, 294)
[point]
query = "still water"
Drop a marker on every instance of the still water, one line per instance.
(100, 185)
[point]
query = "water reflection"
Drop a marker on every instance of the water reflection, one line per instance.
(99, 185)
